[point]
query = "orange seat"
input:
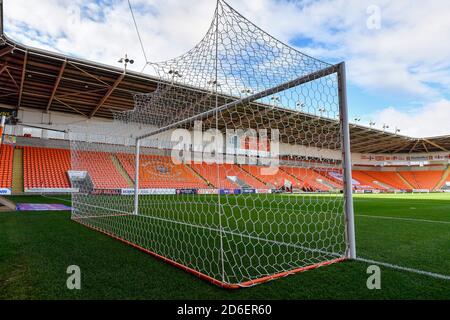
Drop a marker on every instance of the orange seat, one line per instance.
(389, 178)
(46, 167)
(161, 172)
(311, 179)
(365, 181)
(101, 169)
(422, 179)
(6, 163)
(219, 175)
(275, 180)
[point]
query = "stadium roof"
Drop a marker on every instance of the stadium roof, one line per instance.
(47, 81)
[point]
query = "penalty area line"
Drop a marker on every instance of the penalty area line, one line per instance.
(401, 268)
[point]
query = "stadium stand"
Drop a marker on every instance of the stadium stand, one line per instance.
(160, 172)
(46, 168)
(274, 181)
(389, 178)
(6, 163)
(366, 182)
(334, 175)
(101, 169)
(426, 180)
(223, 175)
(444, 182)
(17, 175)
(311, 180)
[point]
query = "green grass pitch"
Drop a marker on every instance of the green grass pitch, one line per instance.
(411, 230)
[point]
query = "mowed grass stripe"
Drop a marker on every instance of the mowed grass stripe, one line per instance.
(36, 248)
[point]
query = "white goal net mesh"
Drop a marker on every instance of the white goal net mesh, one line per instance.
(231, 169)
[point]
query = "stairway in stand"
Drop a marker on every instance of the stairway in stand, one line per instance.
(405, 181)
(443, 179)
(17, 178)
(122, 171)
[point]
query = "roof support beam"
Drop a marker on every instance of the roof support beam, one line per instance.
(79, 93)
(31, 94)
(55, 88)
(5, 51)
(424, 145)
(8, 94)
(414, 146)
(12, 78)
(89, 74)
(72, 108)
(22, 82)
(370, 140)
(10, 90)
(3, 68)
(107, 95)
(382, 151)
(402, 147)
(363, 138)
(382, 147)
(435, 145)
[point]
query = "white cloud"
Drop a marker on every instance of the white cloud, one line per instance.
(430, 120)
(410, 50)
(408, 56)
(402, 55)
(174, 28)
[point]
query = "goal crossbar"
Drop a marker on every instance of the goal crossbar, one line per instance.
(285, 86)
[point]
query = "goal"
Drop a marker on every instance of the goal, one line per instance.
(236, 167)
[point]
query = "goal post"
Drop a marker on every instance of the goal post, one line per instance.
(223, 204)
(225, 220)
(236, 168)
(346, 162)
(246, 100)
(136, 177)
(340, 70)
(2, 125)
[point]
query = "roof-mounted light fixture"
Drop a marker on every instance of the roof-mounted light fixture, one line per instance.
(126, 61)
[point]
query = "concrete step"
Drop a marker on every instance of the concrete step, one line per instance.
(122, 171)
(6, 205)
(405, 181)
(17, 178)
(443, 179)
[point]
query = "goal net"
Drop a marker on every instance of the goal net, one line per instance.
(234, 168)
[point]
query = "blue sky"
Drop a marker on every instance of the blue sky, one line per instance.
(397, 52)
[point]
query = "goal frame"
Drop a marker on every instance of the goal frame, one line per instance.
(340, 70)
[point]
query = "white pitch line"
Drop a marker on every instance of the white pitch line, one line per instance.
(403, 219)
(224, 230)
(61, 199)
(412, 270)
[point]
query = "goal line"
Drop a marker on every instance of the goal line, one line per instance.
(407, 269)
